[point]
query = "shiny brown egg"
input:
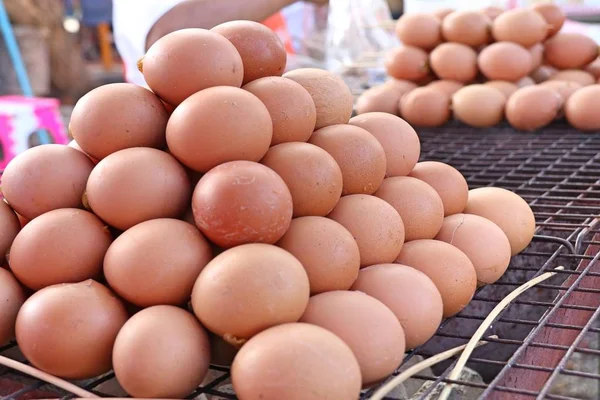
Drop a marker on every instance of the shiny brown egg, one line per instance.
(419, 29)
(45, 178)
(9, 228)
(383, 98)
(76, 146)
(135, 185)
(186, 61)
(447, 181)
(520, 25)
(407, 62)
(447, 86)
(533, 107)
(567, 50)
(575, 75)
(479, 106)
(593, 68)
(505, 61)
(454, 61)
(468, 27)
(581, 109)
(537, 55)
(262, 52)
(507, 88)
(425, 107)
(12, 298)
(553, 15)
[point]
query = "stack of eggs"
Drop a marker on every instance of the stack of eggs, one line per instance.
(482, 66)
(233, 211)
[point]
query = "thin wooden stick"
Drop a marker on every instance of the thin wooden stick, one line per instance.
(409, 372)
(462, 360)
(36, 373)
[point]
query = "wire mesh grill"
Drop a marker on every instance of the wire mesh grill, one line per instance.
(545, 338)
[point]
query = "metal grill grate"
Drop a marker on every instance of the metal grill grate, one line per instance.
(543, 336)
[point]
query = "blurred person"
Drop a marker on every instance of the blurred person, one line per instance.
(137, 24)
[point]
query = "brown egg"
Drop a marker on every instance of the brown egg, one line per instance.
(419, 29)
(61, 246)
(327, 251)
(582, 109)
(186, 61)
(564, 88)
(469, 27)
(291, 108)
(218, 125)
(156, 262)
(567, 50)
(376, 226)
(262, 52)
(543, 73)
(242, 202)
(411, 296)
(12, 298)
(419, 205)
(358, 153)
(482, 241)
(162, 351)
(425, 107)
(575, 75)
(333, 99)
(525, 81)
(505, 61)
(532, 107)
(479, 106)
(449, 184)
(118, 116)
(382, 98)
(310, 173)
(594, 68)
(521, 26)
(399, 140)
(76, 146)
(553, 15)
(507, 210)
(310, 363)
(234, 301)
(45, 178)
(447, 86)
(407, 62)
(537, 55)
(442, 13)
(492, 12)
(507, 88)
(454, 61)
(449, 268)
(9, 228)
(136, 185)
(69, 330)
(355, 316)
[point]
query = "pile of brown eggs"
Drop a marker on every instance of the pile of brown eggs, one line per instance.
(483, 66)
(238, 217)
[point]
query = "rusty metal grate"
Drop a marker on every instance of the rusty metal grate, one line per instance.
(541, 334)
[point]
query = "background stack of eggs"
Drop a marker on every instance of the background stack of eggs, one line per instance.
(234, 208)
(481, 66)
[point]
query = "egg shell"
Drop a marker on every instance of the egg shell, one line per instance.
(419, 29)
(358, 153)
(44, 178)
(582, 109)
(262, 52)
(307, 362)
(242, 202)
(537, 55)
(507, 88)
(399, 140)
(525, 81)
(410, 294)
(354, 316)
(232, 300)
(419, 205)
(12, 298)
(568, 50)
(575, 75)
(447, 86)
(564, 89)
(442, 13)
(310, 173)
(594, 68)
(454, 61)
(543, 73)
(9, 228)
(447, 181)
(383, 98)
(118, 116)
(333, 99)
(532, 107)
(425, 107)
(449, 269)
(218, 125)
(376, 226)
(506, 209)
(505, 61)
(61, 246)
(290, 106)
(172, 347)
(407, 62)
(553, 15)
(136, 185)
(156, 262)
(187, 61)
(471, 28)
(327, 251)
(479, 106)
(69, 330)
(520, 25)
(492, 12)
(482, 241)
(73, 143)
